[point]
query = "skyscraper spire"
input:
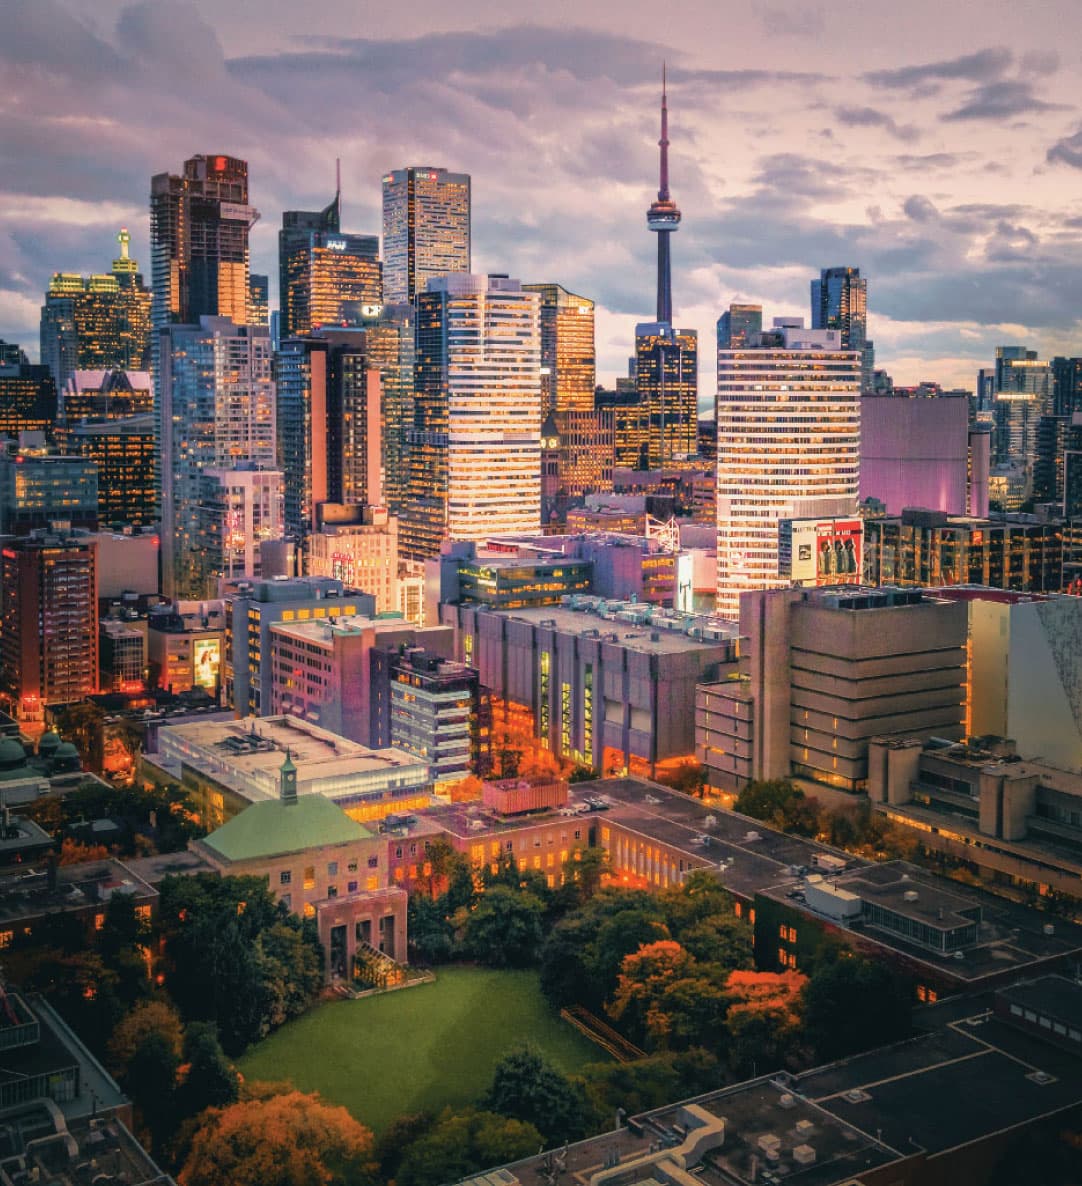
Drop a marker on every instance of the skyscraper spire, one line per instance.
(663, 217)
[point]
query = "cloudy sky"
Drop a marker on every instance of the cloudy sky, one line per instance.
(936, 144)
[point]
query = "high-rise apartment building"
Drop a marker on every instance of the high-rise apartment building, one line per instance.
(788, 448)
(217, 414)
(97, 321)
(199, 226)
(426, 229)
(839, 301)
(325, 277)
(568, 359)
(475, 459)
(328, 413)
(1066, 386)
(49, 635)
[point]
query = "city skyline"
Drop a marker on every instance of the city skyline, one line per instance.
(948, 160)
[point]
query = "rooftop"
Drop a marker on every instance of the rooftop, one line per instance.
(1055, 996)
(271, 828)
(247, 755)
(27, 893)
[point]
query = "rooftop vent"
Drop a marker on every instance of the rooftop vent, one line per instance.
(910, 895)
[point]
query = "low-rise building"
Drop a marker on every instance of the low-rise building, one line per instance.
(1015, 822)
(320, 864)
(608, 684)
(227, 765)
(185, 642)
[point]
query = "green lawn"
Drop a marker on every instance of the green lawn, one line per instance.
(417, 1048)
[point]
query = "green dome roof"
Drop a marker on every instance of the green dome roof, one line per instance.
(65, 750)
(48, 742)
(11, 753)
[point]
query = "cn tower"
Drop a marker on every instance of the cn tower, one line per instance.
(663, 218)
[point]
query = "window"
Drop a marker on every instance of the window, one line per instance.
(309, 910)
(332, 891)
(332, 869)
(1016, 1010)
(351, 887)
(783, 932)
(792, 934)
(351, 867)
(373, 882)
(99, 921)
(310, 877)
(373, 863)
(6, 938)
(285, 877)
(783, 957)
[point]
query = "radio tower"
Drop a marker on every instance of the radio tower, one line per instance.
(663, 217)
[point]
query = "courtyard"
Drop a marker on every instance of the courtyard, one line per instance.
(418, 1049)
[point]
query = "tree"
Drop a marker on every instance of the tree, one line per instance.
(74, 852)
(287, 1140)
(723, 939)
(764, 1018)
(151, 1078)
(647, 1083)
(688, 776)
(208, 1079)
(767, 800)
(587, 870)
(462, 1143)
(873, 999)
(431, 938)
(526, 1087)
(644, 977)
(397, 1138)
(149, 1017)
(291, 962)
(505, 928)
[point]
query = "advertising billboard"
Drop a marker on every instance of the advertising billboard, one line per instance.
(206, 662)
(822, 551)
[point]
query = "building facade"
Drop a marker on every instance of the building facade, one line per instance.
(475, 460)
(218, 413)
(788, 447)
(49, 636)
(839, 301)
(568, 357)
(426, 229)
(359, 547)
(28, 399)
(667, 385)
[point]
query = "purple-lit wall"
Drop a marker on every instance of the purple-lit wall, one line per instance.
(913, 452)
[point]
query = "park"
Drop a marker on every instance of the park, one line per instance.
(418, 1049)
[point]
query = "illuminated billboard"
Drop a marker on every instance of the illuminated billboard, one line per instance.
(206, 661)
(821, 551)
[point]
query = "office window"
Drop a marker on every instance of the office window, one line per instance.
(285, 877)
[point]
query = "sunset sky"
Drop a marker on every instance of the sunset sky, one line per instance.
(935, 144)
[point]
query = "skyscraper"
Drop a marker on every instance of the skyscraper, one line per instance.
(258, 299)
(27, 396)
(328, 416)
(839, 300)
(199, 226)
(325, 277)
(666, 359)
(217, 415)
(391, 349)
(788, 448)
(475, 454)
(426, 229)
(97, 321)
(1024, 393)
(568, 360)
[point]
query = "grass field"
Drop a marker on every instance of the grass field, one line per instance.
(418, 1048)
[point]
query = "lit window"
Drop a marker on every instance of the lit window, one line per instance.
(310, 877)
(309, 910)
(372, 883)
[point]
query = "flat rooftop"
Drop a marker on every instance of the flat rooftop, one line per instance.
(646, 637)
(344, 625)
(246, 756)
(26, 893)
(1055, 996)
(911, 894)
(1011, 937)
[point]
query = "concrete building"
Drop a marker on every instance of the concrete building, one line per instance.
(914, 450)
(322, 670)
(252, 608)
(1025, 672)
(1015, 822)
(788, 447)
(228, 765)
(128, 562)
(320, 864)
(239, 511)
(358, 546)
(475, 461)
(611, 685)
(185, 645)
(824, 671)
(1022, 553)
